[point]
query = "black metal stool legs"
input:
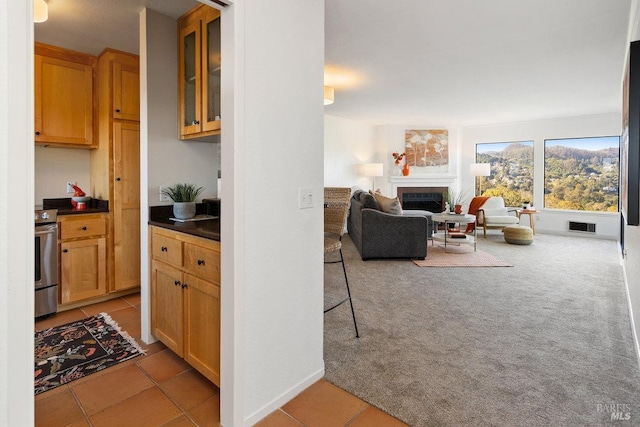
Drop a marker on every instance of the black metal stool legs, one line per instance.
(346, 280)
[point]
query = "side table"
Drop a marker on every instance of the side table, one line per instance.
(532, 220)
(454, 219)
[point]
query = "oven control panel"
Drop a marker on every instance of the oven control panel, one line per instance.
(46, 216)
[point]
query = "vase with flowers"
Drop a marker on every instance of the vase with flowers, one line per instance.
(397, 157)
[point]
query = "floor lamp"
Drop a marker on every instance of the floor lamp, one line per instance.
(372, 170)
(480, 169)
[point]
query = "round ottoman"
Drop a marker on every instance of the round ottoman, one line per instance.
(518, 235)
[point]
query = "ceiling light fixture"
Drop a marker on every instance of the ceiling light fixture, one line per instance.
(328, 94)
(40, 11)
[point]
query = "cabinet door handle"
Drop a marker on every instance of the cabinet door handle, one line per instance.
(176, 282)
(163, 249)
(184, 286)
(65, 250)
(118, 179)
(200, 262)
(84, 228)
(117, 110)
(195, 122)
(38, 133)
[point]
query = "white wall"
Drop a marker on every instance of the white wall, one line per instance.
(631, 261)
(551, 221)
(272, 253)
(391, 138)
(16, 214)
(55, 166)
(347, 144)
(170, 159)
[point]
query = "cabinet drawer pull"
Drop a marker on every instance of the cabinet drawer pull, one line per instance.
(65, 250)
(38, 133)
(117, 110)
(163, 249)
(84, 228)
(176, 282)
(200, 262)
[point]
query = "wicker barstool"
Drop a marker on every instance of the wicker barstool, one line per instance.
(336, 209)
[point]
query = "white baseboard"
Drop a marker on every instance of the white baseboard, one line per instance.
(634, 331)
(283, 398)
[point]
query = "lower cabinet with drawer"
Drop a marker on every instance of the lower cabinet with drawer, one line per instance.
(83, 257)
(185, 298)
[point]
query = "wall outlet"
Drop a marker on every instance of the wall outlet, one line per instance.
(163, 197)
(70, 185)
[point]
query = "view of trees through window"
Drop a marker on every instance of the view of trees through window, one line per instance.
(511, 171)
(582, 173)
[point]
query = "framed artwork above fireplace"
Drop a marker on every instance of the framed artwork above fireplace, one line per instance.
(427, 148)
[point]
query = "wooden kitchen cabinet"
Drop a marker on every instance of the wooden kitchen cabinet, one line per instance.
(185, 298)
(199, 64)
(115, 165)
(83, 256)
(64, 97)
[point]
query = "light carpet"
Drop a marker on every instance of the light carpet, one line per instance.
(545, 343)
(459, 256)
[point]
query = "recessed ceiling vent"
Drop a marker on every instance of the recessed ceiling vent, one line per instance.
(585, 227)
(218, 4)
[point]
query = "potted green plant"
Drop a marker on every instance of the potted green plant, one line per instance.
(455, 200)
(184, 199)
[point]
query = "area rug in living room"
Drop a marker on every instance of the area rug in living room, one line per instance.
(459, 256)
(77, 349)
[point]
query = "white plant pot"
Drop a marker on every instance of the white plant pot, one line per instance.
(184, 210)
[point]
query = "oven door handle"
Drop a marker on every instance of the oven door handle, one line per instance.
(46, 229)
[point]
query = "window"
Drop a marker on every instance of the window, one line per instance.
(511, 171)
(582, 173)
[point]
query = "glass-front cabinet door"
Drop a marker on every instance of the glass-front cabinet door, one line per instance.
(211, 63)
(199, 72)
(190, 79)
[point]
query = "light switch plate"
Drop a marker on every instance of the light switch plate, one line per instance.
(305, 198)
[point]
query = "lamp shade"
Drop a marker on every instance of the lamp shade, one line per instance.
(372, 169)
(40, 11)
(480, 169)
(328, 94)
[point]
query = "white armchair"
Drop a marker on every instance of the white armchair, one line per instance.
(493, 214)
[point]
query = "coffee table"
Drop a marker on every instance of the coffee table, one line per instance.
(445, 238)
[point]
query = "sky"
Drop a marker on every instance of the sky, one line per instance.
(498, 146)
(594, 144)
(586, 143)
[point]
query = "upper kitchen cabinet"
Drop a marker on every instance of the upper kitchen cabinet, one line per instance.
(126, 89)
(199, 72)
(64, 97)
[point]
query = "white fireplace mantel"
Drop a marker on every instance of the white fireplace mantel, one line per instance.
(434, 180)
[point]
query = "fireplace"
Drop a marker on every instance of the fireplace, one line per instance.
(422, 198)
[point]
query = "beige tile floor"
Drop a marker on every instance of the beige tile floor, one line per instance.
(160, 389)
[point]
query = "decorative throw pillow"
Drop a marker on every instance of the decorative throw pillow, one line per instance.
(388, 205)
(368, 201)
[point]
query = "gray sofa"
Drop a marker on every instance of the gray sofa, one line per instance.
(377, 234)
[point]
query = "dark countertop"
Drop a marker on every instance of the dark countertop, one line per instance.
(64, 206)
(209, 229)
